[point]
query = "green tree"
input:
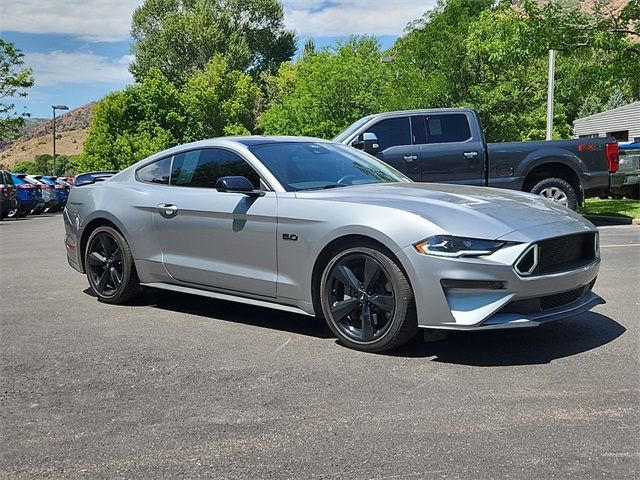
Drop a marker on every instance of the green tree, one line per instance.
(219, 101)
(43, 163)
(133, 123)
(14, 82)
(327, 90)
(181, 36)
(155, 114)
(432, 57)
(27, 166)
(494, 56)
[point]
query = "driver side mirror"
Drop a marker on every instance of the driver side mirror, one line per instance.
(237, 184)
(367, 142)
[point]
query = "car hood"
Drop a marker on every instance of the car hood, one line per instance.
(479, 212)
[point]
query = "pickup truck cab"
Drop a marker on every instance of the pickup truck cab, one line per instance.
(448, 146)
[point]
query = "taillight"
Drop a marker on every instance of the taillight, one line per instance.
(58, 187)
(612, 152)
(45, 186)
(26, 187)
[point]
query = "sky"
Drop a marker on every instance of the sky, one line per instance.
(79, 49)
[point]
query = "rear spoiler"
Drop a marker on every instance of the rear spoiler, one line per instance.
(92, 177)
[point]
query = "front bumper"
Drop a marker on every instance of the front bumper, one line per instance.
(486, 293)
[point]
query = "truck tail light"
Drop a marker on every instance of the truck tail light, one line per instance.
(612, 152)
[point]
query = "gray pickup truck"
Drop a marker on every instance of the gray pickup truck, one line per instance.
(448, 146)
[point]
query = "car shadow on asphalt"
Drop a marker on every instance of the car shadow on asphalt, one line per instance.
(525, 346)
(236, 312)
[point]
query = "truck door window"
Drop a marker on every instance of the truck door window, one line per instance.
(392, 132)
(448, 128)
(418, 130)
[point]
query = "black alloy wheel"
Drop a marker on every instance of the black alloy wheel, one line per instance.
(105, 264)
(109, 265)
(367, 300)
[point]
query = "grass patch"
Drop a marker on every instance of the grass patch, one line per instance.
(611, 208)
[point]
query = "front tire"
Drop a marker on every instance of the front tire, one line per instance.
(367, 300)
(110, 268)
(557, 190)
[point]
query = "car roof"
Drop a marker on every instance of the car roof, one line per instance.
(246, 141)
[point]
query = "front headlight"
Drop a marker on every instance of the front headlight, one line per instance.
(449, 246)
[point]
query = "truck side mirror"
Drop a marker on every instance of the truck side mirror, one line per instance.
(368, 142)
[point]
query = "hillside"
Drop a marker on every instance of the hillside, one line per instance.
(71, 130)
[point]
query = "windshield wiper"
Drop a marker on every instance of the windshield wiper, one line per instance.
(324, 187)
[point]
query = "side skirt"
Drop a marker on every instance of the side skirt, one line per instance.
(226, 297)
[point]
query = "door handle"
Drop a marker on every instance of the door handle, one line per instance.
(470, 154)
(167, 209)
(410, 158)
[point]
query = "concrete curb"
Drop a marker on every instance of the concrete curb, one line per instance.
(603, 220)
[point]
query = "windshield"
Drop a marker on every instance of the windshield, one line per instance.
(316, 165)
(342, 136)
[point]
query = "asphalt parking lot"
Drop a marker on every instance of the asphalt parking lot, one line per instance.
(187, 387)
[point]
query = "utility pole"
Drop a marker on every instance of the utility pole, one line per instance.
(550, 90)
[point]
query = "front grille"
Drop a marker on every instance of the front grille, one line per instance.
(566, 253)
(561, 299)
(559, 254)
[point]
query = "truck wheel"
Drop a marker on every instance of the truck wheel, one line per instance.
(557, 190)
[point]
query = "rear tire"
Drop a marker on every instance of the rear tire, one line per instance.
(110, 268)
(558, 190)
(367, 300)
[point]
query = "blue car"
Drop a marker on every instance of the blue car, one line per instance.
(29, 196)
(51, 197)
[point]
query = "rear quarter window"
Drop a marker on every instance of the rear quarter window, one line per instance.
(156, 172)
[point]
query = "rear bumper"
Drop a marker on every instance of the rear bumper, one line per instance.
(71, 244)
(616, 180)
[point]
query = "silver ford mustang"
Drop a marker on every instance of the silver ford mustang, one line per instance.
(315, 227)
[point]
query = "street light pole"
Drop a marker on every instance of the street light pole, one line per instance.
(54, 108)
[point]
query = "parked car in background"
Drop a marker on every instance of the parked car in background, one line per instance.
(447, 145)
(62, 191)
(23, 179)
(52, 204)
(29, 196)
(42, 203)
(65, 181)
(629, 170)
(8, 196)
(313, 226)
